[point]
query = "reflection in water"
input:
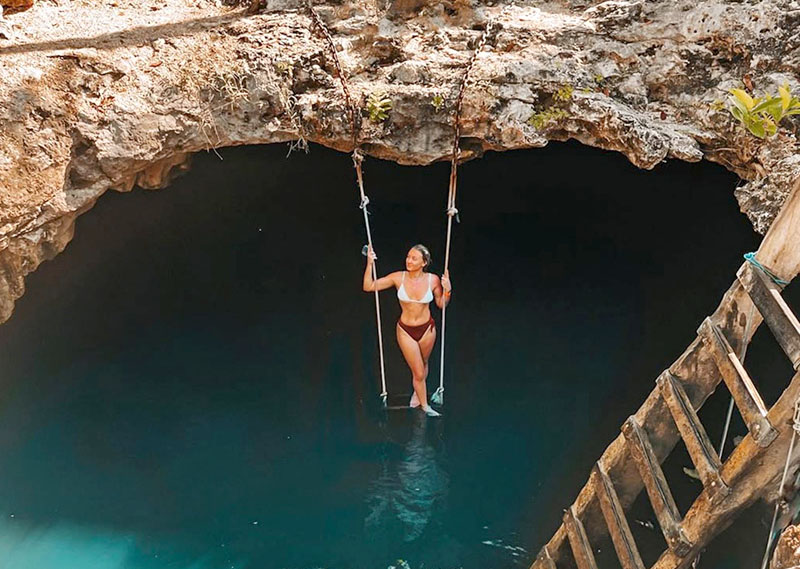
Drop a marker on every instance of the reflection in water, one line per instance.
(412, 488)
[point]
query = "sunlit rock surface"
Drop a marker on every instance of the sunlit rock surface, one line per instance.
(98, 95)
(787, 550)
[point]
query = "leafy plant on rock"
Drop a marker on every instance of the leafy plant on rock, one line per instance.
(564, 94)
(554, 112)
(541, 119)
(438, 102)
(378, 106)
(762, 115)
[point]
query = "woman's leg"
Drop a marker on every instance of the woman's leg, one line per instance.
(426, 344)
(413, 355)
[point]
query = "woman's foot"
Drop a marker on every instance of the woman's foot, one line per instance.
(414, 403)
(430, 412)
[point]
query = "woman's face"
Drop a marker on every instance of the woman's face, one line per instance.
(414, 260)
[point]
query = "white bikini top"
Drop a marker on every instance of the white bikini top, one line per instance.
(403, 295)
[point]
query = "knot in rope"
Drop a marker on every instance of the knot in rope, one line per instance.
(751, 258)
(364, 202)
(452, 211)
(358, 158)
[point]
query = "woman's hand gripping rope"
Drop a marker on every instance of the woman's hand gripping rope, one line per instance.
(447, 287)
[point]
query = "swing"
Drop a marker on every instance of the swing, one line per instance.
(438, 396)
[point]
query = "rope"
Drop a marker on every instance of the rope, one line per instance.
(751, 258)
(357, 160)
(451, 210)
(795, 431)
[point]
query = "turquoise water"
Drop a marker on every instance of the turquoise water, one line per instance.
(193, 383)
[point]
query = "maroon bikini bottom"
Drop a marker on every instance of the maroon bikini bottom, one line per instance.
(417, 332)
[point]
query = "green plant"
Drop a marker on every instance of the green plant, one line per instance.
(438, 102)
(564, 94)
(378, 106)
(557, 110)
(762, 115)
(543, 118)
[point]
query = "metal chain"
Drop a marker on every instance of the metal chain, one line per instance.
(451, 210)
(320, 25)
(460, 103)
(357, 160)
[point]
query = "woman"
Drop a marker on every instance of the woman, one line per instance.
(416, 330)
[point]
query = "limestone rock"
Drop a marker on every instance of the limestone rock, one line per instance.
(15, 5)
(123, 92)
(787, 550)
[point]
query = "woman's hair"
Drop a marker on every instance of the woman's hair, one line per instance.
(426, 255)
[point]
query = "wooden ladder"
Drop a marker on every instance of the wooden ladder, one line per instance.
(633, 460)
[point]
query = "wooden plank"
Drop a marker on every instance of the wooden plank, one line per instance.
(578, 541)
(544, 560)
(779, 250)
(779, 317)
(745, 394)
(656, 485)
(751, 472)
(698, 444)
(618, 528)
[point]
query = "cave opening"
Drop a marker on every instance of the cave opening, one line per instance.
(194, 381)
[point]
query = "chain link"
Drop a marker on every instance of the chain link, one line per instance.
(465, 80)
(320, 25)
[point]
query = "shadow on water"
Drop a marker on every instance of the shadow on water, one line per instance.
(194, 381)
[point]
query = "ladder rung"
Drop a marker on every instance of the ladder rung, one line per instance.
(544, 559)
(744, 393)
(657, 489)
(617, 523)
(698, 444)
(766, 295)
(578, 541)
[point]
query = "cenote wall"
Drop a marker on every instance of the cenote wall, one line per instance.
(194, 383)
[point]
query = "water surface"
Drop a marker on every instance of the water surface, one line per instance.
(193, 383)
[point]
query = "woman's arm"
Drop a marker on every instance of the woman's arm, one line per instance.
(442, 290)
(380, 284)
